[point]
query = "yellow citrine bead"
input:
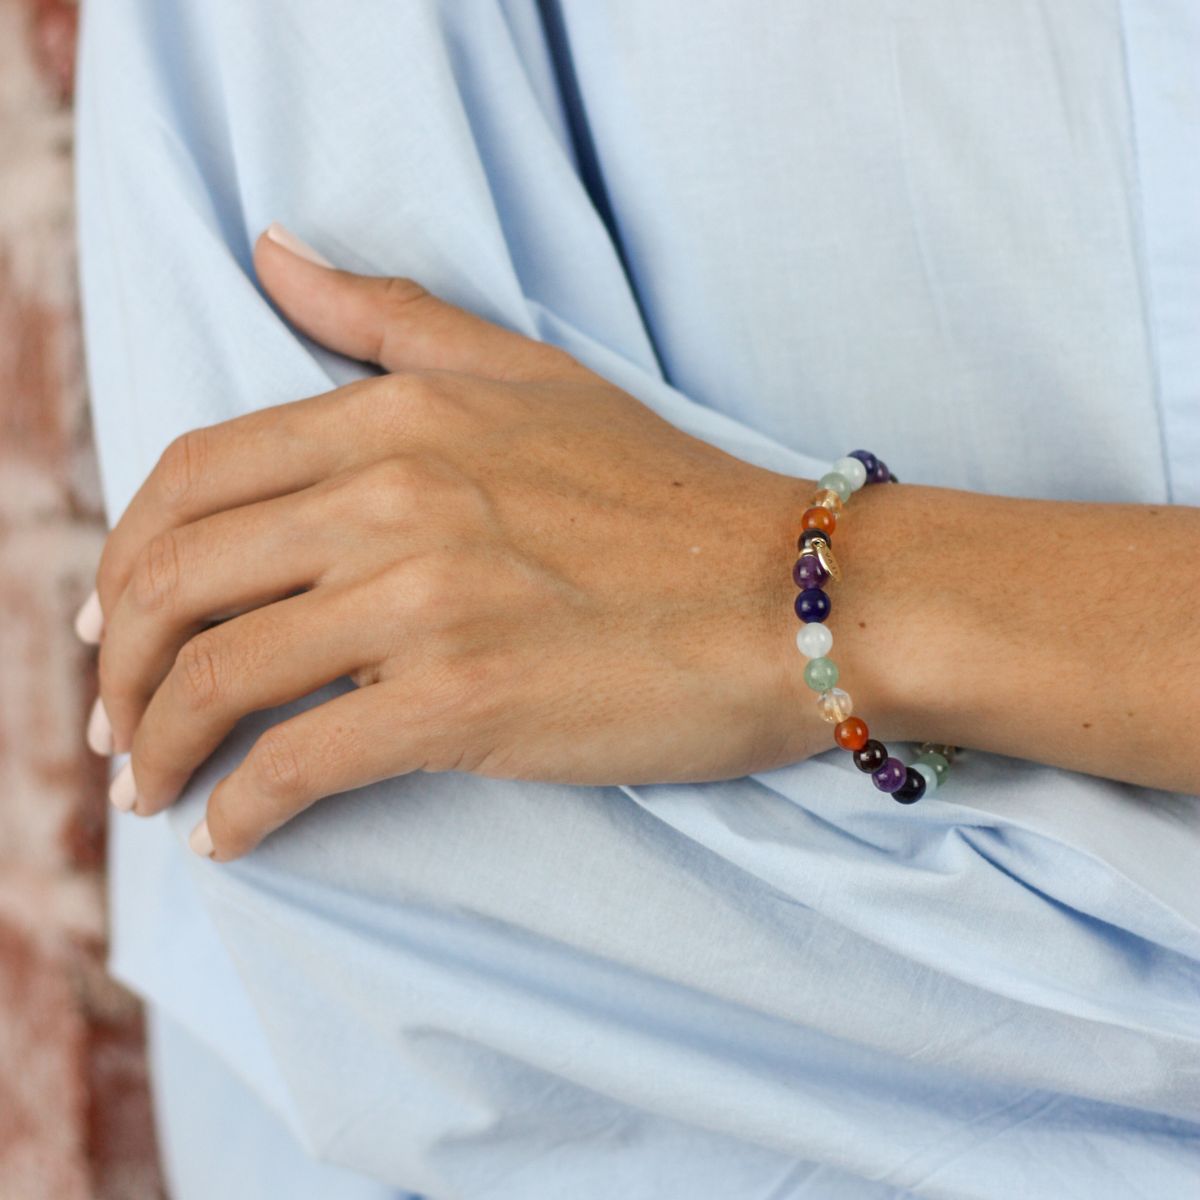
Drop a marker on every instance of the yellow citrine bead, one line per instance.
(826, 498)
(834, 705)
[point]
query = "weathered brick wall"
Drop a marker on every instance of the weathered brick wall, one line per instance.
(75, 1121)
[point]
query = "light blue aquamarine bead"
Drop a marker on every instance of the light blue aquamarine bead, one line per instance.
(852, 470)
(926, 771)
(835, 482)
(814, 639)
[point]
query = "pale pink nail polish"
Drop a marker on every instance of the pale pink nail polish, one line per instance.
(123, 792)
(284, 237)
(89, 621)
(200, 840)
(99, 729)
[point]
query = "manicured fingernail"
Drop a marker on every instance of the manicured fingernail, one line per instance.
(290, 242)
(89, 621)
(200, 839)
(123, 792)
(99, 729)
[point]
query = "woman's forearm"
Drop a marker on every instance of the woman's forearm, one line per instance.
(1062, 632)
(529, 574)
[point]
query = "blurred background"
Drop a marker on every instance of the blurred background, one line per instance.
(75, 1118)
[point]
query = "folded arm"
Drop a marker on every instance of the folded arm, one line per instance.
(530, 575)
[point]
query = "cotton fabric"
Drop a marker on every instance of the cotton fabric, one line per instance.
(963, 234)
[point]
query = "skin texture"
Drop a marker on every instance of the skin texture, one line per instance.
(531, 575)
(1061, 632)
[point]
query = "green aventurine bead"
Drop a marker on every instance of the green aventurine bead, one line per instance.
(836, 483)
(821, 674)
(938, 763)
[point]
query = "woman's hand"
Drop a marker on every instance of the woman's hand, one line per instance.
(531, 575)
(526, 571)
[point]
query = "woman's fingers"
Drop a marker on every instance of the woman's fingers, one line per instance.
(394, 322)
(261, 659)
(279, 450)
(271, 452)
(286, 447)
(185, 578)
(357, 738)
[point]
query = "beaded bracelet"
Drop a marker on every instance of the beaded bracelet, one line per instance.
(813, 569)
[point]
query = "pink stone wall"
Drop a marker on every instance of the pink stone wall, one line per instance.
(75, 1120)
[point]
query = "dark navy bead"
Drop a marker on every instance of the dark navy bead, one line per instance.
(871, 757)
(813, 535)
(912, 789)
(812, 604)
(881, 474)
(865, 457)
(808, 572)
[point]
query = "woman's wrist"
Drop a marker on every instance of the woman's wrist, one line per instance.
(997, 623)
(874, 618)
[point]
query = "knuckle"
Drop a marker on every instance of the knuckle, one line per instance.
(396, 473)
(230, 824)
(429, 408)
(429, 583)
(275, 766)
(400, 294)
(200, 672)
(156, 573)
(421, 400)
(391, 489)
(180, 466)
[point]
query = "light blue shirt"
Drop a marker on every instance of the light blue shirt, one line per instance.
(964, 233)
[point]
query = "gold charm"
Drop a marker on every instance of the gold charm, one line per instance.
(825, 557)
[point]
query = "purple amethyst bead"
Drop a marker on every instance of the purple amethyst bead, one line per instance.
(891, 776)
(881, 474)
(808, 572)
(867, 459)
(812, 604)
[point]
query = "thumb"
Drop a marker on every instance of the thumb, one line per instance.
(392, 321)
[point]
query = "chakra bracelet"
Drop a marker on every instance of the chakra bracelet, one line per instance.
(814, 568)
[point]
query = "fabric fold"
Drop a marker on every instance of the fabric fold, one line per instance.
(768, 987)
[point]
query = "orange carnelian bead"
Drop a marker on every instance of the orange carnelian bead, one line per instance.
(851, 734)
(818, 518)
